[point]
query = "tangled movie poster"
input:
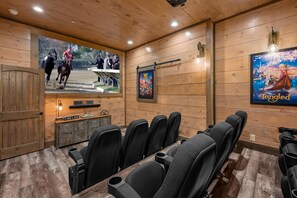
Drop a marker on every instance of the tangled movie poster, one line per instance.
(274, 78)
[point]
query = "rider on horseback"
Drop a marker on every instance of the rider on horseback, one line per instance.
(68, 57)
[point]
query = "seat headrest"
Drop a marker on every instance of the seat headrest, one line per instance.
(134, 124)
(236, 123)
(220, 130)
(243, 115)
(158, 119)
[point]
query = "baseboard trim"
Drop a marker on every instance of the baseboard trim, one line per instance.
(258, 147)
(49, 144)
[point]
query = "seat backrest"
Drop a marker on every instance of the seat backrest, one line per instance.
(133, 145)
(190, 169)
(236, 123)
(222, 134)
(102, 154)
(172, 128)
(156, 135)
(244, 116)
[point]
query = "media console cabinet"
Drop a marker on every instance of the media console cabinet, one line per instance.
(69, 132)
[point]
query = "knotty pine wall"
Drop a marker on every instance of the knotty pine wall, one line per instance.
(181, 86)
(235, 40)
(15, 49)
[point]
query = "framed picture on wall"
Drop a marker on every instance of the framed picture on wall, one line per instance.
(274, 78)
(146, 84)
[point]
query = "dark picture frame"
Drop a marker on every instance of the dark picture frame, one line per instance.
(146, 80)
(273, 78)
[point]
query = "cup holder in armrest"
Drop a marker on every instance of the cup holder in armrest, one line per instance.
(115, 181)
(120, 189)
(290, 159)
(182, 141)
(294, 193)
(160, 157)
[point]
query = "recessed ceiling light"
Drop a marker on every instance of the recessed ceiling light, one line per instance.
(130, 42)
(13, 12)
(148, 49)
(73, 21)
(188, 34)
(38, 9)
(174, 23)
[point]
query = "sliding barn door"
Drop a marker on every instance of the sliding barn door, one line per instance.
(21, 110)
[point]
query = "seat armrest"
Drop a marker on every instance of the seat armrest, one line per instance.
(291, 130)
(76, 156)
(198, 132)
(163, 159)
(120, 189)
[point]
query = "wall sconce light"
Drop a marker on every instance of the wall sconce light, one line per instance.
(273, 40)
(59, 107)
(201, 53)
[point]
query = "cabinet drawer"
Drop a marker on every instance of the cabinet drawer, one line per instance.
(64, 134)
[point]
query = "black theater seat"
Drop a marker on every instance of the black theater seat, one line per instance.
(289, 183)
(287, 148)
(222, 134)
(97, 161)
(288, 157)
(156, 135)
(133, 145)
(172, 129)
(244, 116)
(187, 175)
(236, 122)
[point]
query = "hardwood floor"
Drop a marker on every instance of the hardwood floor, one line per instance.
(250, 174)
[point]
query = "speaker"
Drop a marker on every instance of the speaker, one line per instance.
(176, 3)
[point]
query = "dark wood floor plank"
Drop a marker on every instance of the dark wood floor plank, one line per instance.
(25, 179)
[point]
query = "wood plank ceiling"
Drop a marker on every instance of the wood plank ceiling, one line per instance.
(113, 22)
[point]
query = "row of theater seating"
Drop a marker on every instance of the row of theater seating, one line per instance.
(185, 171)
(108, 151)
(288, 161)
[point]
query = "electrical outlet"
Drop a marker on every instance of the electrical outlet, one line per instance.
(252, 137)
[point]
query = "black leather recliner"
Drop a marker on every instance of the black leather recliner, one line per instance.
(244, 116)
(236, 123)
(289, 183)
(156, 135)
(172, 129)
(222, 134)
(133, 144)
(97, 161)
(288, 149)
(188, 173)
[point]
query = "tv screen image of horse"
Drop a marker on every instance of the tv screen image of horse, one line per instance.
(73, 68)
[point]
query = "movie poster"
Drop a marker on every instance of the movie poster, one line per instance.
(274, 78)
(146, 90)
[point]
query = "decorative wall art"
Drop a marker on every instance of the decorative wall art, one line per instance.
(146, 84)
(274, 78)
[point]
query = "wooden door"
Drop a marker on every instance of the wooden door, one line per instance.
(21, 110)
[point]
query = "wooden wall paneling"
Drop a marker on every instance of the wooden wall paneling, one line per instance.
(236, 39)
(1, 108)
(210, 77)
(181, 86)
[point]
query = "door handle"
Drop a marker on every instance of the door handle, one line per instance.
(40, 113)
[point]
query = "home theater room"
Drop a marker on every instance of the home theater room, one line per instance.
(148, 98)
